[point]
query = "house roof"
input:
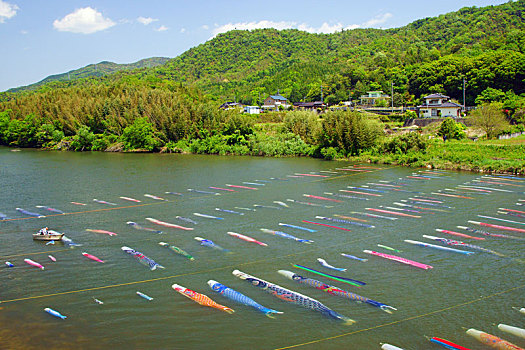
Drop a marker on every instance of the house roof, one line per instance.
(451, 104)
(442, 105)
(279, 97)
(437, 96)
(230, 104)
(309, 104)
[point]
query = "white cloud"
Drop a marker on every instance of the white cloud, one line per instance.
(7, 10)
(84, 20)
(205, 27)
(24, 32)
(379, 19)
(252, 25)
(324, 28)
(162, 29)
(182, 30)
(146, 20)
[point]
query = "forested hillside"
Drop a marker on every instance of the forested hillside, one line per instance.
(248, 65)
(100, 69)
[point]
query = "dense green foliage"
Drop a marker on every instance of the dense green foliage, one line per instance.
(450, 130)
(350, 133)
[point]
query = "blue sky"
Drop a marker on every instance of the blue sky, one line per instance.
(40, 38)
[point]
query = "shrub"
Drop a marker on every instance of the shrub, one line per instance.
(329, 153)
(449, 129)
(489, 118)
(402, 144)
(285, 144)
(141, 135)
(303, 123)
(83, 140)
(350, 132)
(409, 115)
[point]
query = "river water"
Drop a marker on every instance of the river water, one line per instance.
(461, 291)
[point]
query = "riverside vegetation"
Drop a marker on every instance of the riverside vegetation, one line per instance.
(173, 107)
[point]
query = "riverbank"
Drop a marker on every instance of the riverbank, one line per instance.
(502, 156)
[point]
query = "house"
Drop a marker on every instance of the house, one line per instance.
(439, 105)
(309, 105)
(275, 101)
(231, 105)
(372, 98)
(252, 109)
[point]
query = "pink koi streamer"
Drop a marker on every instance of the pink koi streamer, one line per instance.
(167, 224)
(102, 231)
(399, 259)
(247, 238)
(92, 257)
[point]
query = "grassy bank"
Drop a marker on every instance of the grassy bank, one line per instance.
(487, 156)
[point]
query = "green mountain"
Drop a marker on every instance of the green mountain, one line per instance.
(484, 45)
(100, 69)
(249, 64)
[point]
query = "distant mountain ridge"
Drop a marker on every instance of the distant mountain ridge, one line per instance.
(95, 70)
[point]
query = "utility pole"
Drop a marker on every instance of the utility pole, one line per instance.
(321, 92)
(464, 104)
(392, 98)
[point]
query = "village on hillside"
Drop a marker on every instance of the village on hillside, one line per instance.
(435, 105)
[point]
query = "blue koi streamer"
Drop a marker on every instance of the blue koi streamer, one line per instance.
(143, 259)
(297, 227)
(209, 243)
(286, 235)
(292, 297)
(353, 257)
(345, 221)
(229, 211)
(328, 266)
(334, 290)
(23, 211)
(240, 298)
(3, 217)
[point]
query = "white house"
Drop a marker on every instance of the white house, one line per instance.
(438, 105)
(252, 109)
